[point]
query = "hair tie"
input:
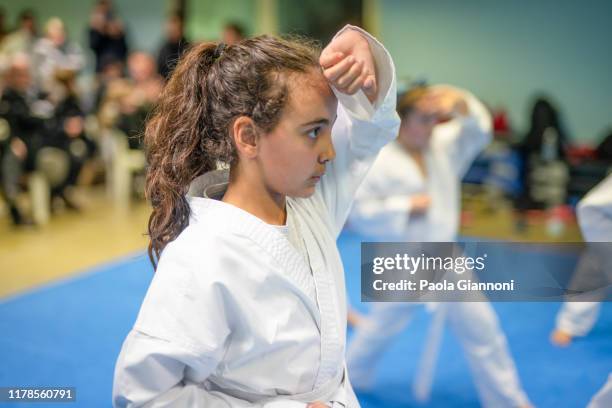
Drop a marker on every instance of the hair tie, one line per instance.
(218, 51)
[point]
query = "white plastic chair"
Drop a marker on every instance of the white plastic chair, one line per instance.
(121, 165)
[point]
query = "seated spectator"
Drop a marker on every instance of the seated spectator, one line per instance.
(52, 53)
(146, 85)
(116, 90)
(544, 143)
(24, 140)
(111, 70)
(68, 135)
(19, 41)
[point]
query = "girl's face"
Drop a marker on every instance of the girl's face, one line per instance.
(293, 155)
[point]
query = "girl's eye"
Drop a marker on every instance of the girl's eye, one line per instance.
(314, 133)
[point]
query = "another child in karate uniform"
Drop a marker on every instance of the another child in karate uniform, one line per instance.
(412, 194)
(576, 319)
(247, 306)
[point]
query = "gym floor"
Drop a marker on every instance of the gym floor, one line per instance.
(72, 242)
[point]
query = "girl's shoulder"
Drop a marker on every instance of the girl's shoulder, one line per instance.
(206, 255)
(218, 234)
(212, 226)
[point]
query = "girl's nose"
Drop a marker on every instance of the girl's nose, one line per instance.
(329, 153)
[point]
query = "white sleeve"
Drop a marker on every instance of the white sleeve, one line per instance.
(464, 137)
(595, 213)
(360, 131)
(380, 216)
(377, 211)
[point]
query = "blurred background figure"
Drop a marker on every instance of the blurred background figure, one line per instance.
(68, 135)
(543, 153)
(111, 70)
(577, 318)
(24, 132)
(43, 137)
(19, 41)
(54, 53)
(145, 86)
(413, 194)
(107, 38)
(173, 47)
(232, 33)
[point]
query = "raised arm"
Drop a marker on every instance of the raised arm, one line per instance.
(364, 125)
(468, 131)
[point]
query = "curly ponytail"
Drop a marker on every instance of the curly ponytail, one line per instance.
(188, 133)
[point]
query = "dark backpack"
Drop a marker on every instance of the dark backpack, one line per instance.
(604, 150)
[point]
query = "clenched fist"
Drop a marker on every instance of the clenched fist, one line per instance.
(348, 64)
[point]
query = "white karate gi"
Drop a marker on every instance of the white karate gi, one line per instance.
(382, 212)
(236, 315)
(578, 318)
(595, 219)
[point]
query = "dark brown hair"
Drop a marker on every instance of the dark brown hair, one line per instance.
(189, 132)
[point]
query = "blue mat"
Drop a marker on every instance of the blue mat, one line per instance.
(70, 333)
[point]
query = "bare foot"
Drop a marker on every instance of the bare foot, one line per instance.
(560, 338)
(353, 318)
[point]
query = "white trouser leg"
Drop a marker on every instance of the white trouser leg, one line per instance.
(603, 398)
(578, 318)
(476, 326)
(371, 338)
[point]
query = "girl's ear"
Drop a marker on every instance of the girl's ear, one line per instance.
(246, 136)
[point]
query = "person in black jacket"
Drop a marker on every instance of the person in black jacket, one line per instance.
(24, 140)
(173, 48)
(106, 34)
(68, 134)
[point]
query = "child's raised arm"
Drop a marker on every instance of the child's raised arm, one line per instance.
(363, 79)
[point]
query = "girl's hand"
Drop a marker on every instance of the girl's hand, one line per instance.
(445, 103)
(348, 64)
(317, 404)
